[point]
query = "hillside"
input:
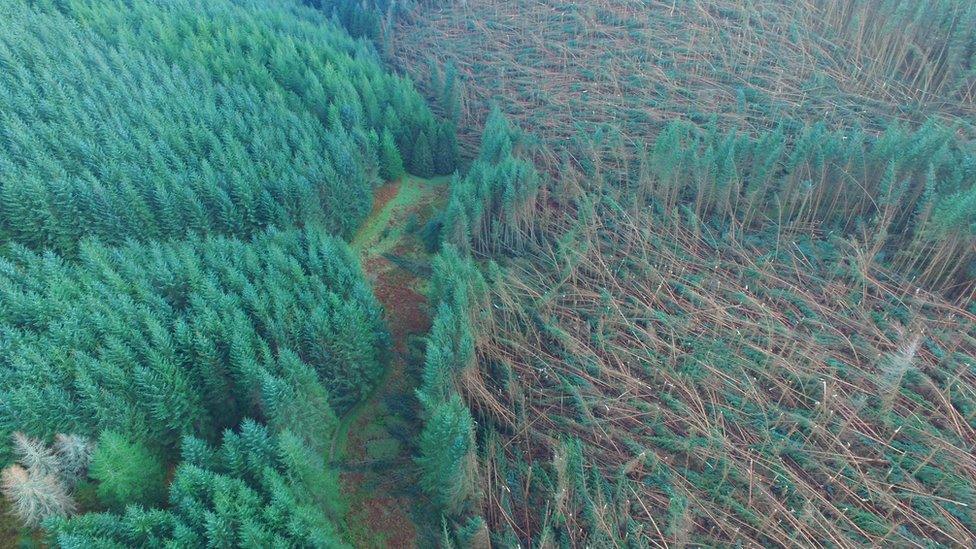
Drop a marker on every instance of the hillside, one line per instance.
(184, 324)
(732, 301)
(632, 66)
(470, 274)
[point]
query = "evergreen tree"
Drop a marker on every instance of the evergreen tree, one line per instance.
(126, 155)
(39, 485)
(74, 453)
(446, 152)
(446, 455)
(127, 472)
(34, 495)
(256, 490)
(35, 455)
(450, 94)
(283, 327)
(422, 161)
(391, 164)
(492, 208)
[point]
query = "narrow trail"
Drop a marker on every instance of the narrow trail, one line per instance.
(373, 446)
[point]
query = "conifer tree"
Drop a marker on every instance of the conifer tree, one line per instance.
(422, 161)
(298, 402)
(446, 454)
(391, 164)
(255, 325)
(450, 95)
(127, 472)
(446, 151)
(38, 487)
(256, 490)
(35, 496)
(33, 454)
(74, 453)
(126, 156)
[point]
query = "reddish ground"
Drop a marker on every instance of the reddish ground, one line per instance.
(383, 195)
(379, 513)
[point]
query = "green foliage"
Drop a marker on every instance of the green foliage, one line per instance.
(458, 289)
(491, 209)
(447, 441)
(446, 446)
(256, 490)
(188, 117)
(296, 401)
(127, 472)
(391, 164)
(450, 94)
(446, 149)
(161, 340)
(422, 161)
(362, 18)
(171, 178)
(910, 189)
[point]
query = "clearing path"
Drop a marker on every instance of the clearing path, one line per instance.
(373, 448)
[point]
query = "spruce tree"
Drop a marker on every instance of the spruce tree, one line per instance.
(127, 472)
(38, 486)
(74, 454)
(422, 161)
(446, 456)
(257, 489)
(391, 164)
(34, 496)
(450, 94)
(446, 152)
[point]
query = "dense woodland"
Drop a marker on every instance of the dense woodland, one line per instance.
(183, 323)
(697, 273)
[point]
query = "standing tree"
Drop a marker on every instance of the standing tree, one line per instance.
(35, 496)
(446, 455)
(127, 472)
(391, 163)
(74, 454)
(37, 487)
(446, 153)
(450, 98)
(422, 161)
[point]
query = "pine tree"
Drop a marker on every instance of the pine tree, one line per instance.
(127, 472)
(446, 152)
(422, 161)
(35, 496)
(391, 164)
(446, 454)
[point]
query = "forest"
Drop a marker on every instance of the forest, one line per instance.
(472, 274)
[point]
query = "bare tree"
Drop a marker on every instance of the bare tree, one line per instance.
(34, 495)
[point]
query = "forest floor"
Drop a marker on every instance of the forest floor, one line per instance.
(373, 449)
(10, 529)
